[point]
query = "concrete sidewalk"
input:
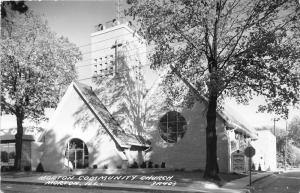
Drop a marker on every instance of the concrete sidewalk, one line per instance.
(244, 182)
(236, 186)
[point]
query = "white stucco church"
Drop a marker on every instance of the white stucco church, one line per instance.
(83, 131)
(86, 132)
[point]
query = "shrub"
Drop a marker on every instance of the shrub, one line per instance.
(143, 165)
(3, 168)
(27, 168)
(40, 168)
(134, 165)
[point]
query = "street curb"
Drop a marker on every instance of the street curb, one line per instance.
(243, 183)
(258, 179)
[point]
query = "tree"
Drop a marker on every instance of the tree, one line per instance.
(19, 6)
(294, 131)
(35, 66)
(225, 48)
(286, 151)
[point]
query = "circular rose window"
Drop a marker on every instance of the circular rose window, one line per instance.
(172, 127)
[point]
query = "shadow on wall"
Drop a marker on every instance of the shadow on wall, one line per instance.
(52, 158)
(54, 153)
(104, 153)
(83, 118)
(123, 95)
(189, 151)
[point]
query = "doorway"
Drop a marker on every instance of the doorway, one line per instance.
(77, 153)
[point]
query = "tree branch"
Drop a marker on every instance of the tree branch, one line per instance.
(197, 94)
(215, 36)
(9, 106)
(208, 47)
(186, 38)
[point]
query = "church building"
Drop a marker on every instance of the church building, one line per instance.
(123, 119)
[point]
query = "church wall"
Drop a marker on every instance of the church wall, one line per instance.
(132, 53)
(103, 55)
(73, 119)
(26, 154)
(189, 153)
(135, 156)
(36, 153)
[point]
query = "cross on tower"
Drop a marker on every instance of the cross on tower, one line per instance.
(115, 46)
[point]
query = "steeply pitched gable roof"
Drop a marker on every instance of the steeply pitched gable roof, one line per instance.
(105, 118)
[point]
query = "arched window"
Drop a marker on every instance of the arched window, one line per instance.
(172, 127)
(77, 153)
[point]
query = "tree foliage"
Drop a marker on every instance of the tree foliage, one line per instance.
(19, 6)
(294, 131)
(286, 151)
(226, 48)
(35, 65)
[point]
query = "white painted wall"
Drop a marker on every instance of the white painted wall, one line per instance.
(190, 152)
(37, 149)
(73, 119)
(133, 48)
(134, 51)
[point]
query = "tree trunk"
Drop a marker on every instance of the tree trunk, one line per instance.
(19, 140)
(211, 169)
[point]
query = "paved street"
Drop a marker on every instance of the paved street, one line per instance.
(23, 188)
(288, 182)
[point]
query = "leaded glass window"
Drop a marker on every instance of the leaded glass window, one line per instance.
(172, 127)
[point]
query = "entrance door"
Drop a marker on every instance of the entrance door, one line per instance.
(77, 153)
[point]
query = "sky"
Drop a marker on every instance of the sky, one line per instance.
(76, 20)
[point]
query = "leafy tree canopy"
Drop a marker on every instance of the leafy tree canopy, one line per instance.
(234, 48)
(19, 6)
(35, 65)
(225, 48)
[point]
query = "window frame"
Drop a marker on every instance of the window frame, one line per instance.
(178, 127)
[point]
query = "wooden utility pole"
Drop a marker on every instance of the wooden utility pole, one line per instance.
(275, 119)
(285, 145)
